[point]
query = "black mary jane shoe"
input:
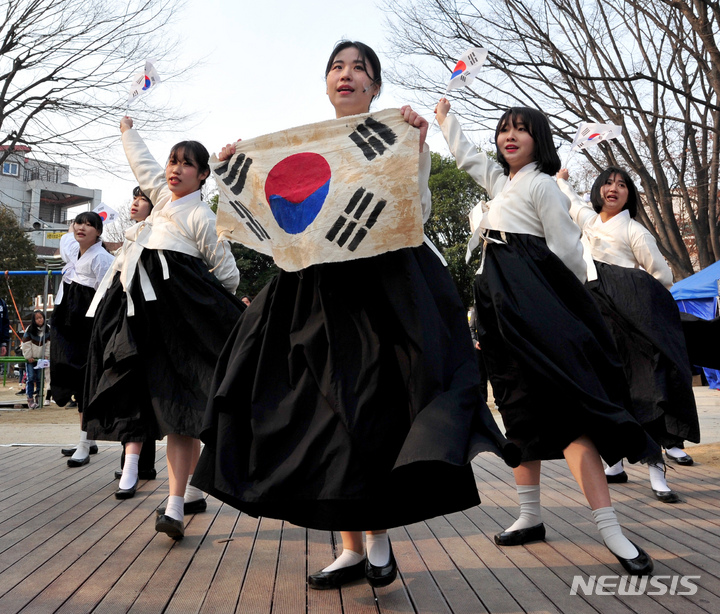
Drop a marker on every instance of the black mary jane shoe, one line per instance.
(189, 507)
(618, 478)
(149, 474)
(171, 527)
(680, 460)
(383, 575)
(127, 493)
(667, 496)
(521, 536)
(324, 580)
(72, 462)
(71, 451)
(641, 565)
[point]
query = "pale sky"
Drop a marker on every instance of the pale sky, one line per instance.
(263, 72)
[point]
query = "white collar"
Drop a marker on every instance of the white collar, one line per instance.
(528, 168)
(184, 200)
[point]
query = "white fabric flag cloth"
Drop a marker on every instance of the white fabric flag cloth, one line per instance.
(329, 192)
(591, 134)
(467, 68)
(143, 82)
(107, 214)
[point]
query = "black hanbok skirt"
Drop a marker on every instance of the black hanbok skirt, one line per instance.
(149, 374)
(69, 341)
(347, 398)
(645, 323)
(551, 360)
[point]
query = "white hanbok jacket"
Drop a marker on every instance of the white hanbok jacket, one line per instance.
(531, 203)
(621, 240)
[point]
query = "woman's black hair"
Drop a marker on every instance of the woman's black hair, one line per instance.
(538, 126)
(138, 193)
(91, 218)
(633, 197)
(366, 55)
(195, 152)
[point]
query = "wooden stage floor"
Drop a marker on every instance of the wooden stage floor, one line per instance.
(67, 545)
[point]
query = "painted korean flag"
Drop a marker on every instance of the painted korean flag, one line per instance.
(143, 82)
(467, 68)
(589, 134)
(328, 192)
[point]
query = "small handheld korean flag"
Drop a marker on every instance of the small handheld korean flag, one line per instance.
(467, 68)
(107, 214)
(143, 82)
(591, 134)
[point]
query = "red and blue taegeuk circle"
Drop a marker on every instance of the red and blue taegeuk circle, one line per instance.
(459, 69)
(296, 189)
(148, 83)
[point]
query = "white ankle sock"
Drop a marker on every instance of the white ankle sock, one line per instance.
(378, 549)
(192, 493)
(347, 558)
(174, 508)
(612, 534)
(676, 452)
(83, 447)
(530, 511)
(615, 469)
(129, 472)
(657, 478)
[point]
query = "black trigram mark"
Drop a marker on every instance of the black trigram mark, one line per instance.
(472, 58)
(235, 177)
(249, 219)
(369, 144)
(345, 226)
(585, 131)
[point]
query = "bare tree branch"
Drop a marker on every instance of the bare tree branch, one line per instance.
(652, 66)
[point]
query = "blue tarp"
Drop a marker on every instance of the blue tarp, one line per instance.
(698, 295)
(701, 285)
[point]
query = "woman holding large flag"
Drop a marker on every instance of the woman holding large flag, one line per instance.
(348, 396)
(629, 278)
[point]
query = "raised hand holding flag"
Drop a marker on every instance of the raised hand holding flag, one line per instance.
(143, 82)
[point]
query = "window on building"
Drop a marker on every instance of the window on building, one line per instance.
(11, 168)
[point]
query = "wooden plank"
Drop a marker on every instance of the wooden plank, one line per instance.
(257, 590)
(224, 590)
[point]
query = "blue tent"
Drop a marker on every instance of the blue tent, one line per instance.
(698, 295)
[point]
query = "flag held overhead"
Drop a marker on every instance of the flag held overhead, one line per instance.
(589, 134)
(143, 82)
(467, 68)
(107, 214)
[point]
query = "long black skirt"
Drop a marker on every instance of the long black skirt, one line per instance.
(552, 362)
(70, 333)
(645, 323)
(347, 398)
(149, 374)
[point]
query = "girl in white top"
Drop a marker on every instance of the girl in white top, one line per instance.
(349, 390)
(550, 358)
(86, 263)
(162, 320)
(628, 277)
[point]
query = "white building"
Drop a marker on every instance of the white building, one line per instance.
(40, 195)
